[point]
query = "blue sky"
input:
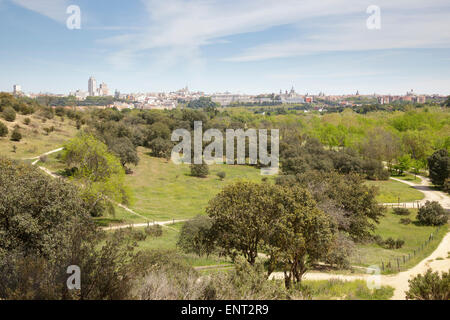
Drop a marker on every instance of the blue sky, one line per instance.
(247, 46)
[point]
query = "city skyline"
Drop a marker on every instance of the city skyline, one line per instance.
(216, 46)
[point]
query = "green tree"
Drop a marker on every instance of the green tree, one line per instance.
(124, 149)
(439, 167)
(99, 171)
(403, 164)
(429, 286)
(3, 130)
(195, 236)
(9, 114)
(284, 220)
(432, 214)
(346, 198)
(299, 235)
(241, 215)
(47, 231)
(16, 135)
(200, 170)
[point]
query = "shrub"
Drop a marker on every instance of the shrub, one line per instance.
(391, 243)
(221, 175)
(399, 243)
(27, 121)
(405, 221)
(16, 135)
(133, 234)
(340, 252)
(439, 167)
(432, 214)
(154, 231)
(430, 286)
(199, 170)
(9, 114)
(402, 211)
(3, 130)
(446, 186)
(195, 236)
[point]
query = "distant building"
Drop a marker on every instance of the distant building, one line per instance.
(17, 89)
(103, 90)
(92, 86)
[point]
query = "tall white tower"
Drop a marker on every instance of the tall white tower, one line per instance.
(92, 86)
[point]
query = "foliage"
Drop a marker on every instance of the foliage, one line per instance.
(340, 251)
(405, 221)
(16, 135)
(168, 277)
(47, 231)
(432, 214)
(345, 198)
(9, 114)
(221, 175)
(100, 172)
(3, 130)
(429, 286)
(391, 243)
(195, 236)
(200, 170)
(154, 231)
(284, 220)
(439, 167)
(401, 211)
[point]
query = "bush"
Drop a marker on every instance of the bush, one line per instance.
(221, 175)
(43, 158)
(391, 243)
(195, 236)
(16, 135)
(199, 170)
(402, 211)
(439, 167)
(446, 186)
(340, 252)
(154, 231)
(432, 214)
(9, 114)
(430, 286)
(405, 221)
(133, 234)
(3, 130)
(27, 121)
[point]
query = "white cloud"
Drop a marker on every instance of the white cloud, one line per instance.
(339, 25)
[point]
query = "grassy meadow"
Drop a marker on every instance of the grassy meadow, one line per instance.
(413, 234)
(164, 191)
(34, 140)
(391, 191)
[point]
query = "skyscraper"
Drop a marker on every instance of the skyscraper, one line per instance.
(92, 86)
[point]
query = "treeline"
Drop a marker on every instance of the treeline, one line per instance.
(73, 101)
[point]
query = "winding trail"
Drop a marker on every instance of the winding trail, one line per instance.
(123, 226)
(427, 190)
(400, 281)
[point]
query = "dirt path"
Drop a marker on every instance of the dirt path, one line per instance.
(427, 190)
(400, 281)
(141, 225)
